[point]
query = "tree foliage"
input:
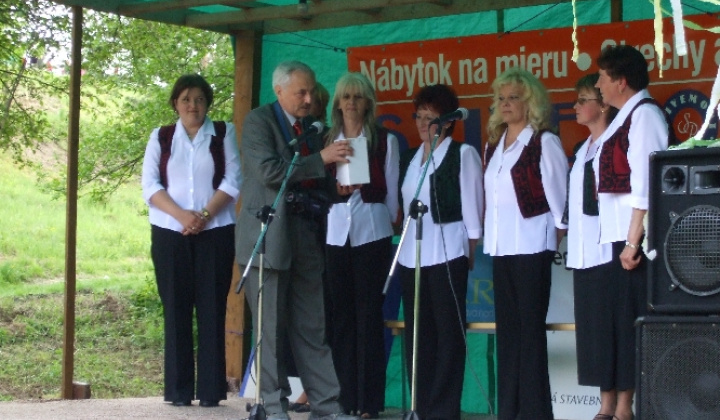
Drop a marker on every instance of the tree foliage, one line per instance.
(128, 68)
(25, 85)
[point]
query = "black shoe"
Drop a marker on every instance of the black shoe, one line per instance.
(182, 403)
(209, 403)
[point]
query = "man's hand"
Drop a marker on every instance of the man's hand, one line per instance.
(337, 151)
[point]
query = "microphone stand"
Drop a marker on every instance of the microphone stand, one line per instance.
(416, 211)
(266, 215)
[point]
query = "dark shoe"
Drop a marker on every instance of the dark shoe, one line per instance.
(336, 416)
(370, 415)
(603, 417)
(182, 403)
(209, 403)
(300, 407)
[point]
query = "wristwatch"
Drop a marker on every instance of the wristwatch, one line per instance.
(205, 214)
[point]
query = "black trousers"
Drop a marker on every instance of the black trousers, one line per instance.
(194, 273)
(441, 336)
(608, 300)
(522, 297)
(356, 276)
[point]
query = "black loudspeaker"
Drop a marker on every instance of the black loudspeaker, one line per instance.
(678, 368)
(684, 230)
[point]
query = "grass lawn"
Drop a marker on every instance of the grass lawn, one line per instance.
(118, 346)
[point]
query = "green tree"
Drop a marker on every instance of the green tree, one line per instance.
(30, 32)
(128, 67)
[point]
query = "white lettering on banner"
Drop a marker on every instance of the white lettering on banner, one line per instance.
(390, 74)
(536, 63)
(674, 62)
(473, 72)
(396, 77)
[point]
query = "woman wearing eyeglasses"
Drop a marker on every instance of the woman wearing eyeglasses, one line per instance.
(525, 187)
(594, 293)
(452, 193)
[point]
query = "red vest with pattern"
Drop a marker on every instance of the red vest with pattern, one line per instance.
(527, 178)
(614, 170)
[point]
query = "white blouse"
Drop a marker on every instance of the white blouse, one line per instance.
(190, 170)
(507, 232)
(648, 133)
(445, 242)
(364, 222)
(583, 235)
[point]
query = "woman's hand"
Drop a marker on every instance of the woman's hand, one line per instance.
(629, 258)
(192, 221)
(345, 190)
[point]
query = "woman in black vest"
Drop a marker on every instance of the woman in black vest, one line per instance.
(525, 187)
(452, 192)
(191, 180)
(358, 250)
(594, 287)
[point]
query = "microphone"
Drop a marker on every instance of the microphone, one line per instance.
(459, 114)
(314, 128)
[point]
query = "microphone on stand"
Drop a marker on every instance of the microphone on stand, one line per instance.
(459, 114)
(314, 128)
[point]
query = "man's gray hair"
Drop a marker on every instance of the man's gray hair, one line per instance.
(283, 71)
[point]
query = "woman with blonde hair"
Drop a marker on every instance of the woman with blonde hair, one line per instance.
(525, 187)
(358, 250)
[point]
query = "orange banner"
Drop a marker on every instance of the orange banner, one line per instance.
(470, 64)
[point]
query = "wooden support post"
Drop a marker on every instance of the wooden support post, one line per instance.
(248, 46)
(68, 354)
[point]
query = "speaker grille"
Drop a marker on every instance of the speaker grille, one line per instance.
(692, 250)
(680, 371)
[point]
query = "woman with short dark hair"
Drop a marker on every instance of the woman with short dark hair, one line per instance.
(621, 169)
(190, 180)
(452, 193)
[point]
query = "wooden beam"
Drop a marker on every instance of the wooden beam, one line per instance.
(341, 13)
(68, 354)
(140, 8)
(291, 11)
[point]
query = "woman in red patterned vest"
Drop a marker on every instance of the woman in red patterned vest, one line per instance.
(525, 187)
(359, 250)
(621, 174)
(191, 180)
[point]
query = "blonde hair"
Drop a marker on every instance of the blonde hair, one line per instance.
(351, 83)
(534, 96)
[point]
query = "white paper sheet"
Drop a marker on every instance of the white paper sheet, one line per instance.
(358, 170)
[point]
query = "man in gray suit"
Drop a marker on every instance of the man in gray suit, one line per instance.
(293, 259)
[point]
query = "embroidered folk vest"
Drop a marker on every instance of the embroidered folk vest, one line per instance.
(614, 168)
(527, 178)
(444, 183)
(217, 150)
(376, 190)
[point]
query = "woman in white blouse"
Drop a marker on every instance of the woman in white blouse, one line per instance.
(451, 228)
(359, 250)
(525, 188)
(595, 288)
(621, 169)
(190, 180)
